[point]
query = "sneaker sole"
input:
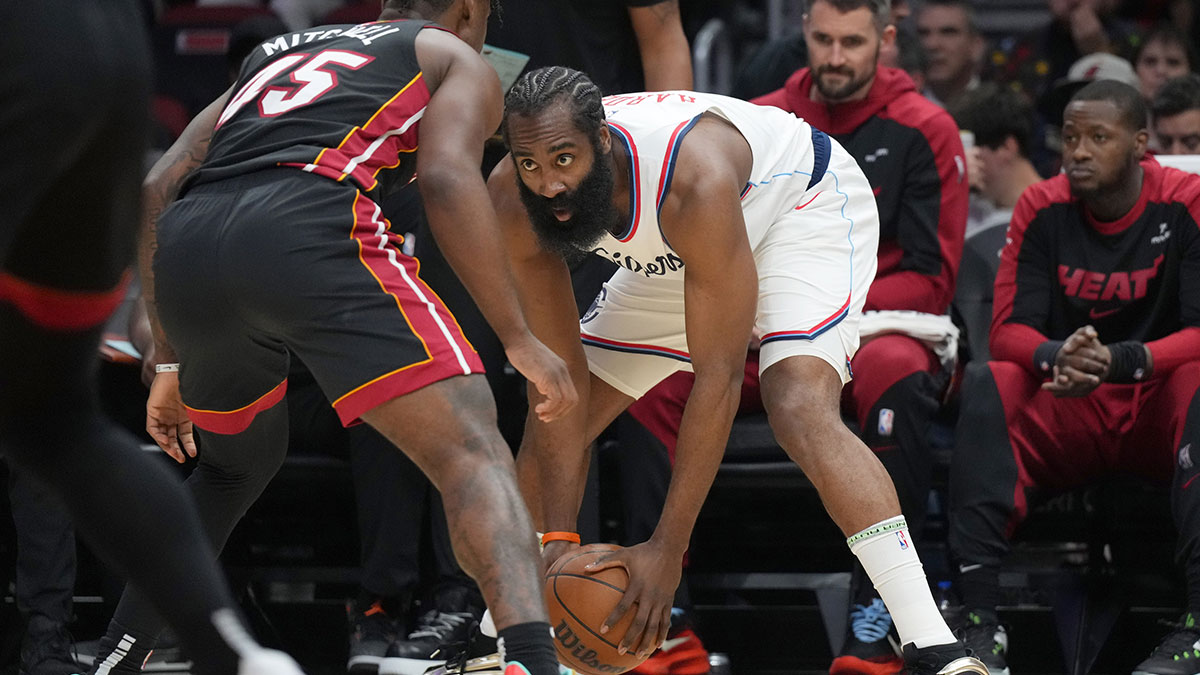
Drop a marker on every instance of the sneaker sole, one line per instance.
(363, 664)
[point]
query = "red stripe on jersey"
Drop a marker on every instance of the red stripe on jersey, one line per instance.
(448, 350)
(59, 310)
(377, 145)
(235, 421)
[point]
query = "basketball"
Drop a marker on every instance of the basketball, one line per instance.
(578, 603)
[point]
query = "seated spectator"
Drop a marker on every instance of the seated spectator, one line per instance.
(1100, 66)
(1095, 338)
(1176, 115)
(772, 64)
(949, 32)
(1165, 54)
(999, 164)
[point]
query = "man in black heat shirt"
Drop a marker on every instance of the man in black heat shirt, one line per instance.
(1095, 339)
(277, 248)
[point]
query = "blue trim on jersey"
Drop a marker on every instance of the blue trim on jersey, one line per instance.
(634, 188)
(821, 151)
(672, 155)
(631, 349)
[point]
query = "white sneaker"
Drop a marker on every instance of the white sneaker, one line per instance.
(268, 662)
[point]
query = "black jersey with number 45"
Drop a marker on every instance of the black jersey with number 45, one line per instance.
(342, 102)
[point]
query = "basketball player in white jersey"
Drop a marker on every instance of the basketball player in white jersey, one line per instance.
(753, 220)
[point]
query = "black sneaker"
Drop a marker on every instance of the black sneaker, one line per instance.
(949, 659)
(870, 645)
(1177, 654)
(48, 649)
(439, 636)
(371, 631)
(987, 640)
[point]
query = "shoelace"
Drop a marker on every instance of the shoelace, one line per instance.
(458, 652)
(870, 623)
(435, 624)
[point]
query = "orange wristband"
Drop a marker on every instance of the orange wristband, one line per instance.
(560, 536)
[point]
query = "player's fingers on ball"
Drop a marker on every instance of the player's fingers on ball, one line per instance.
(650, 640)
(635, 634)
(664, 626)
(604, 562)
(615, 616)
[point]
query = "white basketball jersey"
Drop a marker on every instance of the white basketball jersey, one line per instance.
(652, 125)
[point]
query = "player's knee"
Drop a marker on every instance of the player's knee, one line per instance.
(801, 421)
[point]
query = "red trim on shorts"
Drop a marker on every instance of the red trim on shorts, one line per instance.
(236, 421)
(54, 309)
(448, 351)
(351, 406)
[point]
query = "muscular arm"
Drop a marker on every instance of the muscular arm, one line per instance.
(159, 189)
(463, 112)
(666, 56)
(702, 218)
(553, 459)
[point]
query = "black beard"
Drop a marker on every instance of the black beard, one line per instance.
(592, 213)
(852, 84)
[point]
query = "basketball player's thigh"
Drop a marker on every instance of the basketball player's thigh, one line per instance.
(815, 266)
(635, 333)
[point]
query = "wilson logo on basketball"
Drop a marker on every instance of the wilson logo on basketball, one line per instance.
(570, 643)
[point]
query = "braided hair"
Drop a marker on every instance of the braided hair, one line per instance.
(540, 89)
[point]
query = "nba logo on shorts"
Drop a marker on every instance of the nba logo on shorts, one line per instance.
(886, 417)
(903, 541)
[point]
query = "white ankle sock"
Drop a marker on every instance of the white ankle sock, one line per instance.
(887, 554)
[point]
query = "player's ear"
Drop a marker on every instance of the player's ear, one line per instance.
(604, 138)
(1141, 140)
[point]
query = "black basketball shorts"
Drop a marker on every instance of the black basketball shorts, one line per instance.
(252, 269)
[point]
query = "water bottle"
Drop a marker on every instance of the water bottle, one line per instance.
(945, 600)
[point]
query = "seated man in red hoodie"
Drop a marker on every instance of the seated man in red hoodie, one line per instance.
(910, 151)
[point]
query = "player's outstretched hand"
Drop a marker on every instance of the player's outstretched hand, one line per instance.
(548, 373)
(653, 578)
(167, 420)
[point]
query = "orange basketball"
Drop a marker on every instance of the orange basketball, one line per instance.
(578, 603)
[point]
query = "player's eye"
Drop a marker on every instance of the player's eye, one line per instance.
(565, 160)
(528, 165)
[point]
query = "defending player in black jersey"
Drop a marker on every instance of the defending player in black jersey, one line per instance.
(277, 249)
(1095, 339)
(76, 83)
